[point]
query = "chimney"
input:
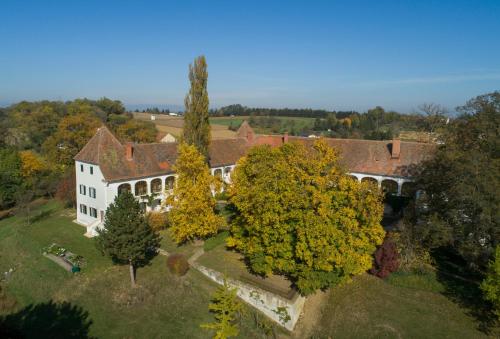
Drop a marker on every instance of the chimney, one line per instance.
(285, 138)
(129, 151)
(396, 148)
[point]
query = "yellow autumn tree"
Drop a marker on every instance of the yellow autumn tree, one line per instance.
(31, 163)
(192, 214)
(299, 214)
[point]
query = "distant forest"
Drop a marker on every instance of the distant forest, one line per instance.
(376, 123)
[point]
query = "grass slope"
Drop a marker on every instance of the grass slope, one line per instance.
(170, 307)
(402, 307)
(162, 306)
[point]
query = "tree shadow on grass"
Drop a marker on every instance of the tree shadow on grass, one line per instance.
(46, 320)
(462, 286)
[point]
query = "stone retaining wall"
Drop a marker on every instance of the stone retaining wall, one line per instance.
(281, 310)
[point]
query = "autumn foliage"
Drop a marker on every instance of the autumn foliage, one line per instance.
(192, 213)
(386, 259)
(299, 214)
(66, 189)
(157, 220)
(177, 264)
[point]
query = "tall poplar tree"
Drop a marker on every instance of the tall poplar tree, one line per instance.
(196, 124)
(127, 237)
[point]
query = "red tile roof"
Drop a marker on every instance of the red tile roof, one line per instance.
(364, 156)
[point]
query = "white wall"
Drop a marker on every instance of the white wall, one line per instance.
(226, 177)
(112, 188)
(95, 180)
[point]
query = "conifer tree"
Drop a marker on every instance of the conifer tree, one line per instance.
(192, 213)
(127, 238)
(226, 306)
(196, 123)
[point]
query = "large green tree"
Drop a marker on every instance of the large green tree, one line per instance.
(461, 184)
(127, 238)
(10, 176)
(137, 131)
(192, 214)
(196, 124)
(72, 133)
(299, 214)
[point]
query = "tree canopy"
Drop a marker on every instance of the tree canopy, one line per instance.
(196, 123)
(300, 215)
(72, 133)
(127, 238)
(192, 214)
(461, 184)
(225, 306)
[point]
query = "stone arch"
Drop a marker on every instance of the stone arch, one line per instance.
(156, 185)
(141, 188)
(124, 188)
(389, 186)
(370, 179)
(218, 173)
(169, 182)
(227, 170)
(353, 177)
(408, 189)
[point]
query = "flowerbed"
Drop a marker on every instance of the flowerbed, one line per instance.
(75, 260)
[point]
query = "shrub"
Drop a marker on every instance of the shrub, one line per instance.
(66, 189)
(215, 241)
(6, 214)
(177, 264)
(491, 285)
(386, 259)
(158, 220)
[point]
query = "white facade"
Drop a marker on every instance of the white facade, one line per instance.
(168, 138)
(94, 194)
(91, 194)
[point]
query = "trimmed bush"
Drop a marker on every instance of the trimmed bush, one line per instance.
(177, 264)
(386, 259)
(157, 220)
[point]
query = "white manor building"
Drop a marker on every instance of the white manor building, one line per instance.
(105, 167)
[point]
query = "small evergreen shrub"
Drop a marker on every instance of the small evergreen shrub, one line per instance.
(158, 220)
(491, 285)
(386, 259)
(177, 264)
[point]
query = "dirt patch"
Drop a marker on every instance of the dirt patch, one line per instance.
(311, 315)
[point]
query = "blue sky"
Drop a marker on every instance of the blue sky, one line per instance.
(320, 54)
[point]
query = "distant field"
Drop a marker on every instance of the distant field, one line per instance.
(173, 125)
(298, 123)
(417, 136)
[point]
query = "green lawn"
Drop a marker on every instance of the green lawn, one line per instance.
(163, 305)
(404, 306)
